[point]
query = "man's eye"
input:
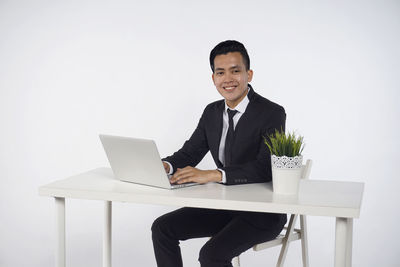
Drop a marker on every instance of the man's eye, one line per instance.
(236, 71)
(220, 73)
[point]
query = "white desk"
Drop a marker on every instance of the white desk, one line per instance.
(320, 198)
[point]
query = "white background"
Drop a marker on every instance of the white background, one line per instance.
(70, 70)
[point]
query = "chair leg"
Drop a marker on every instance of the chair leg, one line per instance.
(304, 240)
(236, 261)
(285, 243)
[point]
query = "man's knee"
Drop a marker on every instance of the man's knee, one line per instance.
(210, 255)
(157, 228)
(205, 252)
(162, 228)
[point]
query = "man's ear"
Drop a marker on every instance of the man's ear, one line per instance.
(249, 75)
(212, 77)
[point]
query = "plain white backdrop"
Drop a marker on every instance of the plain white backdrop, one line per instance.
(70, 70)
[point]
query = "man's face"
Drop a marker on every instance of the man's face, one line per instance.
(231, 78)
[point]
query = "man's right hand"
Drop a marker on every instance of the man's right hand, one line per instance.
(166, 167)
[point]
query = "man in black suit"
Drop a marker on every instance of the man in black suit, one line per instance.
(232, 129)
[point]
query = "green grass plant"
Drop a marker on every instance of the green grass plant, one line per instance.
(281, 144)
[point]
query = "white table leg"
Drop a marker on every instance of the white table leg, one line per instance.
(304, 240)
(107, 234)
(60, 234)
(343, 242)
(349, 242)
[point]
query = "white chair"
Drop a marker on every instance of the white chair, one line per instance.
(291, 233)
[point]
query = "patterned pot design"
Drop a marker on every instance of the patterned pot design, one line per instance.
(285, 162)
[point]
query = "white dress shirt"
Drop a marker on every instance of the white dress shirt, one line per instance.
(241, 108)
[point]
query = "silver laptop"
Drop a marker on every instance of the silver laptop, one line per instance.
(137, 161)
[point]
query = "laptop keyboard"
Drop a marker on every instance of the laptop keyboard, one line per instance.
(174, 185)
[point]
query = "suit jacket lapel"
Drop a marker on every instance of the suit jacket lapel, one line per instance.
(248, 112)
(216, 138)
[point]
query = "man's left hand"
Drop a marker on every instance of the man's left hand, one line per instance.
(190, 174)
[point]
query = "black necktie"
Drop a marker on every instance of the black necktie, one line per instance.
(229, 138)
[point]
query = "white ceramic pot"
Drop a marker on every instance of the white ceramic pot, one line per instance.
(286, 174)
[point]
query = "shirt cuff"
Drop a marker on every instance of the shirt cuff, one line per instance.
(171, 170)
(223, 180)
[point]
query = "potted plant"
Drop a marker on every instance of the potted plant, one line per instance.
(286, 161)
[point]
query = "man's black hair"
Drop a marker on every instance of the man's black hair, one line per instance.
(226, 47)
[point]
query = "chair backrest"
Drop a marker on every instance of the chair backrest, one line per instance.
(305, 174)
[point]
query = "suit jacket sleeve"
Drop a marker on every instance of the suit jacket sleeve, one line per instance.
(258, 169)
(193, 150)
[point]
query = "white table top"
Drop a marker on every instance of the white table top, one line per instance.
(318, 198)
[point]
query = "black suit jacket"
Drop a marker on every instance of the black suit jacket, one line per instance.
(251, 161)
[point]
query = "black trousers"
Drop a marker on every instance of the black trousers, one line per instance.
(232, 232)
